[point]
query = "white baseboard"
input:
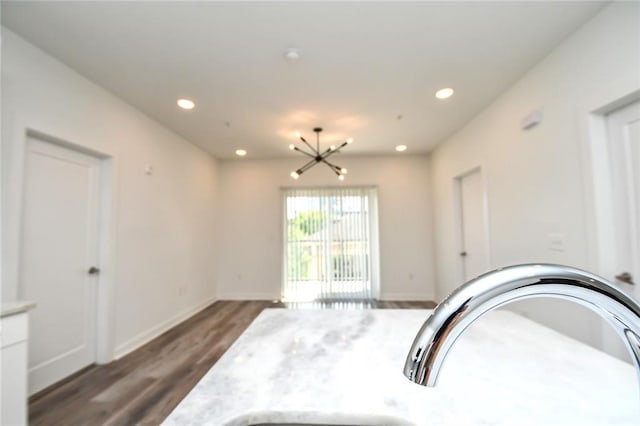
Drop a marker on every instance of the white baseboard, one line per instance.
(145, 337)
(386, 296)
(401, 297)
(248, 296)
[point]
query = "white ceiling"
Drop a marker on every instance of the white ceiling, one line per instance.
(362, 64)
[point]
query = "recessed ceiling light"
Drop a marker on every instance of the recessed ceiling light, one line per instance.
(241, 152)
(401, 148)
(445, 93)
(186, 103)
(292, 54)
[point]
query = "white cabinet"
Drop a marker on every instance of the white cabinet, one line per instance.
(14, 326)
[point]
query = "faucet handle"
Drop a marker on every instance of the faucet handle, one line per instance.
(625, 277)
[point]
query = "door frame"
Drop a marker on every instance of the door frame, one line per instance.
(599, 201)
(457, 209)
(601, 238)
(107, 226)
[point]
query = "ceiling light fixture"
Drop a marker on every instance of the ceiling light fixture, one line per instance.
(186, 103)
(292, 54)
(401, 148)
(445, 93)
(241, 152)
(318, 156)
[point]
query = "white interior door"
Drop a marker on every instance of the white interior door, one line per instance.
(473, 231)
(623, 146)
(58, 248)
(623, 126)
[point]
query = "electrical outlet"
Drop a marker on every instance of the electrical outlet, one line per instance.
(556, 242)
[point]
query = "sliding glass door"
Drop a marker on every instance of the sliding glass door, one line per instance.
(331, 244)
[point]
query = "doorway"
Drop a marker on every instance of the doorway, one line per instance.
(330, 244)
(614, 155)
(58, 267)
(623, 145)
(472, 224)
(623, 132)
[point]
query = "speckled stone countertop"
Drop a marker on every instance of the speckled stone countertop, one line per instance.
(345, 368)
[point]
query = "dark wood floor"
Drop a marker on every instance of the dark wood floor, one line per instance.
(146, 385)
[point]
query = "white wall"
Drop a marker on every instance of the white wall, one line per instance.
(251, 238)
(537, 180)
(164, 224)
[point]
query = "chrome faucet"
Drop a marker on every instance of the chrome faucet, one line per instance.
(497, 288)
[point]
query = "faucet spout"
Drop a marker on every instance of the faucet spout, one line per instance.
(502, 286)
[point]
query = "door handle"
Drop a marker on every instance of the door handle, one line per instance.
(463, 253)
(93, 270)
(625, 277)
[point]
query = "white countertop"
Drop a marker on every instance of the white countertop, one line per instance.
(345, 367)
(13, 308)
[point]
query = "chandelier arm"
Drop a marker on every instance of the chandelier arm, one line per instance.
(332, 166)
(306, 167)
(324, 153)
(309, 145)
(331, 152)
(336, 172)
(304, 152)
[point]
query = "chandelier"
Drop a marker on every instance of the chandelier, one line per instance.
(318, 156)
